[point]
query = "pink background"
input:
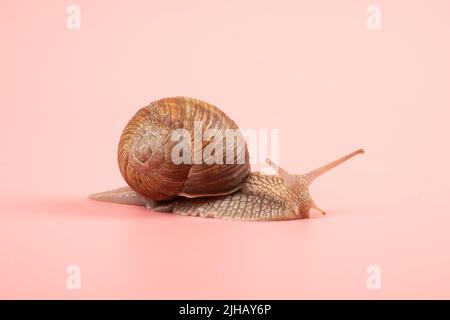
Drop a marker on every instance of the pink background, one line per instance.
(310, 68)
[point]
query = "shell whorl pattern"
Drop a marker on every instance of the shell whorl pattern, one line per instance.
(145, 148)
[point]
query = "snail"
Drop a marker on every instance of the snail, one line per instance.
(220, 189)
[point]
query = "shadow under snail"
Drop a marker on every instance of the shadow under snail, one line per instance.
(227, 190)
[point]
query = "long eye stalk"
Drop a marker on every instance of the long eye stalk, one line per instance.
(311, 176)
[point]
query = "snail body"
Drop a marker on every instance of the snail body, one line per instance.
(227, 189)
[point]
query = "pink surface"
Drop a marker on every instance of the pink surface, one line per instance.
(310, 68)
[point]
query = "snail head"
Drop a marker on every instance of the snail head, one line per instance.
(298, 185)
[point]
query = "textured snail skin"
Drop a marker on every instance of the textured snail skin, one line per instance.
(262, 198)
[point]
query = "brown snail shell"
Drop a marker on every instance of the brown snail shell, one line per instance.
(145, 147)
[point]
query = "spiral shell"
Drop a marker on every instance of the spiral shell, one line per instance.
(145, 150)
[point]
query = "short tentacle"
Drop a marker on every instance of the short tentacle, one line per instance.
(289, 180)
